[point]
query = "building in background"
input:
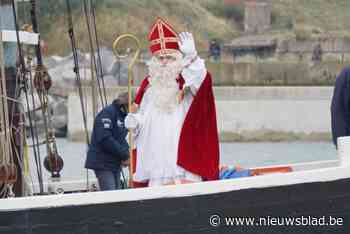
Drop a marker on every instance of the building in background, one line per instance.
(257, 14)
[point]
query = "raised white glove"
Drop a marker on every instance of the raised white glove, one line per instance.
(131, 121)
(186, 44)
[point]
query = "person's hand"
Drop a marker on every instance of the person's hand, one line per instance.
(186, 44)
(125, 163)
(134, 108)
(131, 121)
(180, 96)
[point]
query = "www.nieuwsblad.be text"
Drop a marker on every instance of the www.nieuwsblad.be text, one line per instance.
(216, 221)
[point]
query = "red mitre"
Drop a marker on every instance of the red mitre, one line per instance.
(163, 38)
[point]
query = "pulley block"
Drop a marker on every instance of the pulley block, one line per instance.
(12, 174)
(54, 164)
(8, 173)
(42, 79)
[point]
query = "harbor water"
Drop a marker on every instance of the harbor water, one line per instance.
(250, 154)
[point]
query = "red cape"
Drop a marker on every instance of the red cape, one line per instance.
(198, 150)
(199, 144)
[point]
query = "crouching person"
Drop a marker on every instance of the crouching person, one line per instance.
(109, 150)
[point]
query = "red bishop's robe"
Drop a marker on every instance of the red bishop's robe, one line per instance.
(198, 150)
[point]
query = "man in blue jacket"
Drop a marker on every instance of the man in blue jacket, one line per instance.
(109, 150)
(340, 107)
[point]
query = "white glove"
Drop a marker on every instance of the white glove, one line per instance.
(131, 121)
(186, 44)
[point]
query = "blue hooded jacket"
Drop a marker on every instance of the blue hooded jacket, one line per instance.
(108, 145)
(340, 107)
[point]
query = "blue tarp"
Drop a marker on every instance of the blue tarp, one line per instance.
(231, 173)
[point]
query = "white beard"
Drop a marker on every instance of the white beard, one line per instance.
(163, 85)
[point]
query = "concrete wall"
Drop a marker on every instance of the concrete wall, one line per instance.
(274, 113)
(338, 45)
(254, 113)
(75, 126)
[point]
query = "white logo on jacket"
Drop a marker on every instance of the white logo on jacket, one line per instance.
(107, 123)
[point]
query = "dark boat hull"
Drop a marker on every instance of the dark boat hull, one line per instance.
(192, 214)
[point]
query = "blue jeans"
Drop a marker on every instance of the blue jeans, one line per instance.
(108, 180)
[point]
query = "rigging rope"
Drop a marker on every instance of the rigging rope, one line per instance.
(23, 163)
(99, 60)
(22, 76)
(92, 51)
(42, 82)
(34, 132)
(76, 68)
(4, 157)
(8, 171)
(78, 78)
(33, 125)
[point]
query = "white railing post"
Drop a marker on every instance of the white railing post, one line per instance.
(343, 151)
